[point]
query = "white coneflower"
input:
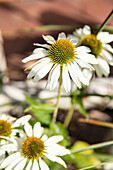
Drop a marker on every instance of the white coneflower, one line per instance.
(58, 56)
(99, 47)
(33, 150)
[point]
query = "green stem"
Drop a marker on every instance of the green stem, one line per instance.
(69, 116)
(105, 22)
(58, 97)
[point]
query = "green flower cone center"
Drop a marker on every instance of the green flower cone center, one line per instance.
(62, 52)
(33, 147)
(93, 43)
(5, 128)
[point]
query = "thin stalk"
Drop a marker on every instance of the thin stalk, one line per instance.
(58, 97)
(105, 22)
(69, 116)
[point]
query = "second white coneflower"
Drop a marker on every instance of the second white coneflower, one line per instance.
(63, 60)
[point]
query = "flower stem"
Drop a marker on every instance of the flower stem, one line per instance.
(58, 97)
(105, 22)
(69, 116)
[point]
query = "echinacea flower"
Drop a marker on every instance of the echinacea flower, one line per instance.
(99, 47)
(33, 150)
(57, 55)
(8, 131)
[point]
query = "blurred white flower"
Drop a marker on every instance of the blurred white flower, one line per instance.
(99, 47)
(8, 133)
(60, 55)
(33, 149)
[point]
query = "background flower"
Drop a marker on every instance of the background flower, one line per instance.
(99, 47)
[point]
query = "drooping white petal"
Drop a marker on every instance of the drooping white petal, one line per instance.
(35, 56)
(57, 150)
(40, 51)
(43, 165)
(13, 164)
(38, 130)
(35, 165)
(108, 56)
(74, 76)
(8, 147)
(55, 159)
(10, 159)
(21, 164)
(49, 39)
(108, 47)
(83, 64)
(42, 72)
(98, 70)
(66, 79)
(53, 140)
(42, 45)
(74, 41)
(28, 129)
(21, 121)
(86, 30)
(41, 63)
(82, 49)
(62, 35)
(44, 138)
(105, 37)
(104, 66)
(89, 58)
(87, 73)
(28, 167)
(54, 77)
(79, 73)
(79, 32)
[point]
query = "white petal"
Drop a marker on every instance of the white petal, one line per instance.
(42, 72)
(79, 32)
(108, 47)
(42, 45)
(89, 58)
(38, 130)
(82, 49)
(21, 164)
(74, 76)
(28, 129)
(43, 165)
(87, 73)
(55, 159)
(28, 167)
(54, 77)
(57, 150)
(21, 121)
(35, 165)
(40, 51)
(80, 74)
(98, 70)
(105, 37)
(108, 56)
(10, 159)
(62, 35)
(11, 166)
(83, 64)
(104, 66)
(44, 138)
(49, 39)
(35, 56)
(86, 30)
(40, 64)
(66, 79)
(53, 140)
(8, 147)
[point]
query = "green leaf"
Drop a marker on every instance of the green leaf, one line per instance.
(42, 112)
(29, 100)
(59, 129)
